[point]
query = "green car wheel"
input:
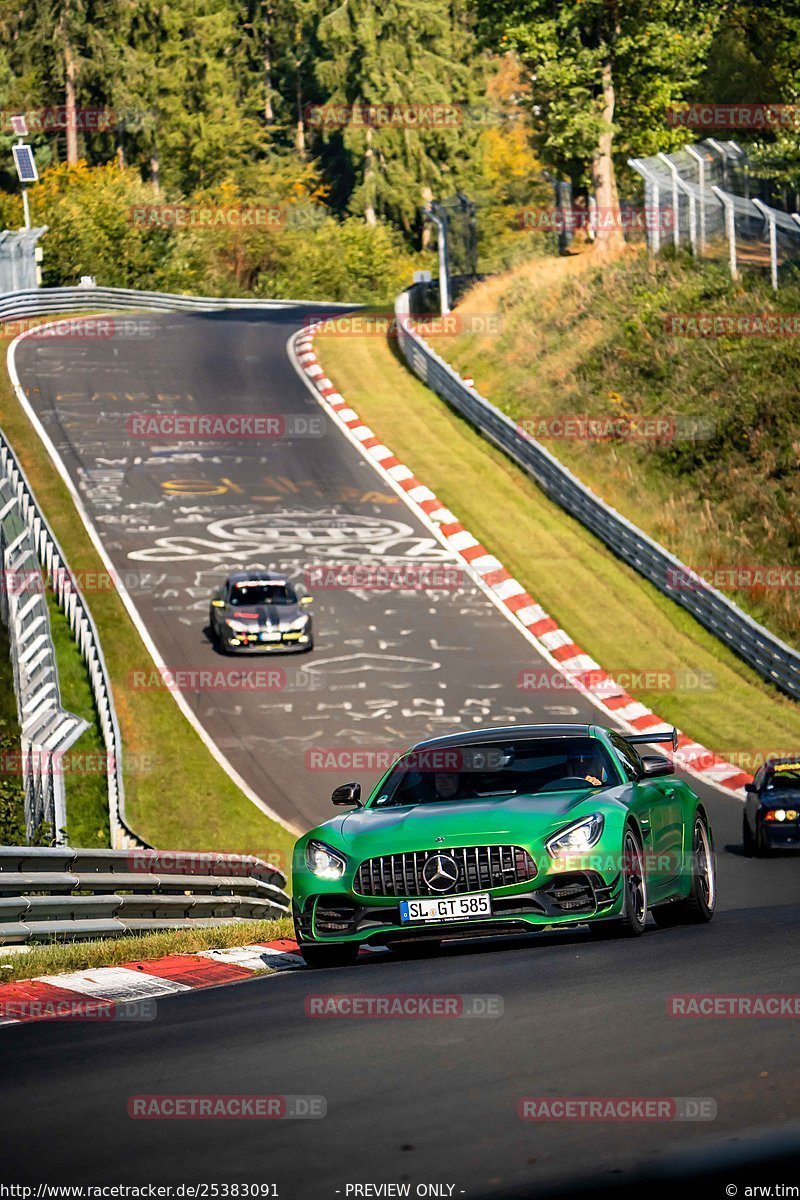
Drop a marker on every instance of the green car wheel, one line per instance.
(698, 907)
(633, 919)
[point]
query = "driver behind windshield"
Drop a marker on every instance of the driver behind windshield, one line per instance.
(446, 785)
(532, 766)
(587, 765)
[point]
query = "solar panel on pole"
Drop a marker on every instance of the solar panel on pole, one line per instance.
(25, 163)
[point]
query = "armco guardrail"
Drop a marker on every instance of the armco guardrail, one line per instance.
(39, 302)
(46, 729)
(767, 654)
(47, 894)
(55, 568)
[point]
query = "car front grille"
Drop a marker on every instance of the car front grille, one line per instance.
(478, 867)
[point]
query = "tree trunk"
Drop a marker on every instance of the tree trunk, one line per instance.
(300, 131)
(154, 174)
(268, 110)
(369, 171)
(70, 106)
(604, 180)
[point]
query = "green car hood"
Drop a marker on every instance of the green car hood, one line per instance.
(505, 820)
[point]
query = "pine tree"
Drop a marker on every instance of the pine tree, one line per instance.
(282, 51)
(416, 58)
(181, 80)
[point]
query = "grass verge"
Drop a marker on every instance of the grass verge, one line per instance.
(80, 956)
(177, 796)
(608, 340)
(624, 622)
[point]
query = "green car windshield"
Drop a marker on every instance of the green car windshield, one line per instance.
(440, 775)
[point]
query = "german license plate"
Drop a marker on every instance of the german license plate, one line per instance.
(446, 908)
(270, 637)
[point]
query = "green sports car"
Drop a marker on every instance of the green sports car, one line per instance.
(505, 830)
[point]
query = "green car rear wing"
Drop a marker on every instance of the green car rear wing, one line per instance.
(644, 739)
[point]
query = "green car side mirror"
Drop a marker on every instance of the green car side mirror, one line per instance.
(347, 795)
(656, 764)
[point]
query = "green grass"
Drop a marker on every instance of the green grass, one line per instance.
(83, 765)
(624, 622)
(579, 338)
(177, 796)
(79, 956)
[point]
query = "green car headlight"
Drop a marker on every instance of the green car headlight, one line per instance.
(324, 862)
(581, 835)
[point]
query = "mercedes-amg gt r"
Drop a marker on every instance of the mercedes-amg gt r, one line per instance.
(504, 830)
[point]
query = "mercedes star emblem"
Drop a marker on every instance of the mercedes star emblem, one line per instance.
(440, 872)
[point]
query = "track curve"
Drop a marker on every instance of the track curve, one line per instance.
(429, 1101)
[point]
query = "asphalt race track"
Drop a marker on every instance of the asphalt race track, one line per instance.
(388, 668)
(429, 1101)
(421, 1100)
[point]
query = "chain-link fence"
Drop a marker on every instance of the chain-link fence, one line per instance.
(705, 197)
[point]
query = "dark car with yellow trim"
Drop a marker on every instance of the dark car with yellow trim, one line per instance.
(771, 818)
(260, 612)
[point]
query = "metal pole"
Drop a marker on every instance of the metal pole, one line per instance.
(687, 191)
(773, 241)
(654, 234)
(701, 183)
(673, 170)
(25, 207)
(730, 227)
(444, 286)
(724, 154)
